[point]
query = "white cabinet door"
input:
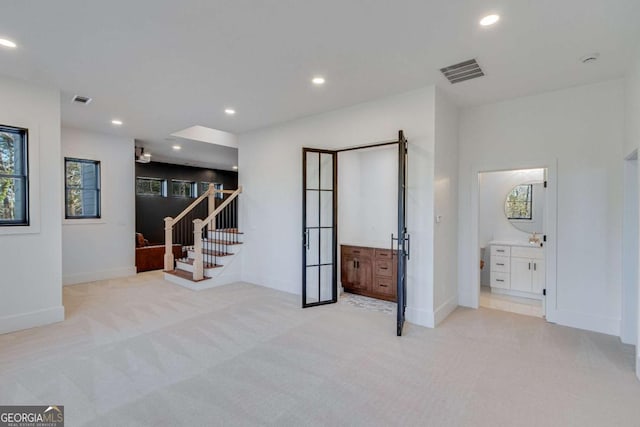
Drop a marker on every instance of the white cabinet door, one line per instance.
(538, 276)
(521, 269)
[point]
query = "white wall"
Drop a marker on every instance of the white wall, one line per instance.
(96, 249)
(632, 143)
(445, 242)
(30, 272)
(368, 184)
(581, 128)
(629, 322)
(271, 173)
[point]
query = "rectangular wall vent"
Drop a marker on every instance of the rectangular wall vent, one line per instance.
(466, 70)
(81, 99)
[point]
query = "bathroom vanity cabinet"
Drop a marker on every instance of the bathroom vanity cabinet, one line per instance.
(517, 269)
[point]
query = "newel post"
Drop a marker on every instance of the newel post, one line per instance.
(198, 265)
(212, 199)
(168, 244)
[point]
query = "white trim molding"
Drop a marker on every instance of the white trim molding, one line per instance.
(551, 218)
(94, 276)
(420, 316)
(445, 309)
(31, 319)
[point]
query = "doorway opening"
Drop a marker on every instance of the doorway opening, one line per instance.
(512, 237)
(377, 269)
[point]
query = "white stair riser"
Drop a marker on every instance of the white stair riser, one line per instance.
(208, 272)
(220, 260)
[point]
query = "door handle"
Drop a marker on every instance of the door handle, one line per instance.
(408, 238)
(535, 266)
(529, 266)
(306, 239)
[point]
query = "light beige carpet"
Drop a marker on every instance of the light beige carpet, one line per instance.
(142, 351)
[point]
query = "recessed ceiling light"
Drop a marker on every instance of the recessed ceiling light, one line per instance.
(235, 168)
(318, 80)
(8, 43)
(489, 20)
(177, 147)
(230, 111)
(116, 122)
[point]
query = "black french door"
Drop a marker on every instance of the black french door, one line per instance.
(403, 238)
(319, 228)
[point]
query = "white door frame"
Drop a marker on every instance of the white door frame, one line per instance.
(550, 221)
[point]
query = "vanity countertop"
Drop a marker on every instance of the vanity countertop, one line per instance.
(513, 243)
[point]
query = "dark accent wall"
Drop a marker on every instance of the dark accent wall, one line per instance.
(151, 210)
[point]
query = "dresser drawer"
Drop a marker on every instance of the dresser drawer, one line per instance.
(384, 254)
(357, 251)
(384, 286)
(384, 268)
(522, 252)
(500, 280)
(500, 250)
(500, 263)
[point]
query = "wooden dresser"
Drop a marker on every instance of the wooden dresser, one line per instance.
(369, 271)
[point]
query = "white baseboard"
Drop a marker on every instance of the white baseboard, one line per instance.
(445, 309)
(32, 319)
(589, 322)
(420, 316)
(275, 282)
(94, 276)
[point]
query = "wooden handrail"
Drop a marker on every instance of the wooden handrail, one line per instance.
(219, 209)
(191, 207)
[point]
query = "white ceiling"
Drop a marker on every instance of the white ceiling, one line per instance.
(162, 66)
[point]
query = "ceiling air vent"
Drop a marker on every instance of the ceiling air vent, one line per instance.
(466, 70)
(81, 99)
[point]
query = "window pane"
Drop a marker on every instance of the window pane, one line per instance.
(82, 187)
(82, 203)
(518, 203)
(13, 200)
(11, 153)
(182, 188)
(149, 187)
(219, 187)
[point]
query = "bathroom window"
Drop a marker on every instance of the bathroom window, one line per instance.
(519, 202)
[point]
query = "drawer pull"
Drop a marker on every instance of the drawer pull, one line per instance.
(498, 263)
(499, 280)
(384, 268)
(499, 250)
(356, 252)
(383, 286)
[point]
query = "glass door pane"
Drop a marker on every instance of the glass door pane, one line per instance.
(319, 274)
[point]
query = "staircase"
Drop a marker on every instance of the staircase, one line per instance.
(210, 246)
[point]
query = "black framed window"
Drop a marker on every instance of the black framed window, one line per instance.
(520, 202)
(151, 187)
(82, 188)
(204, 186)
(14, 176)
(183, 188)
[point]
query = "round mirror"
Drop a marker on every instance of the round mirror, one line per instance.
(524, 207)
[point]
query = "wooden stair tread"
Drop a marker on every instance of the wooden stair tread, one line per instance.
(206, 265)
(187, 275)
(215, 253)
(222, 242)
